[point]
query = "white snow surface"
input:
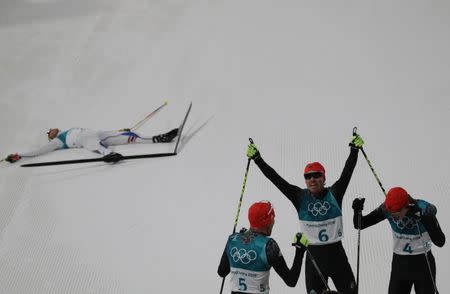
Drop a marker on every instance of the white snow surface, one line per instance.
(296, 76)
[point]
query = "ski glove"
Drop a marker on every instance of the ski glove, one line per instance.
(300, 241)
(356, 142)
(112, 157)
(358, 204)
(13, 158)
(252, 152)
(414, 210)
(243, 230)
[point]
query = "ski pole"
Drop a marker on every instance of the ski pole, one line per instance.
(239, 204)
(426, 257)
(311, 257)
(360, 213)
(242, 192)
(370, 165)
(359, 243)
(384, 192)
(145, 119)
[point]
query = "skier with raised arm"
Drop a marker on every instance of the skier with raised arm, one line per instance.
(320, 215)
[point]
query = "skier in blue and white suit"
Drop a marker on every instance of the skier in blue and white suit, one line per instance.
(250, 254)
(93, 140)
(414, 227)
(319, 211)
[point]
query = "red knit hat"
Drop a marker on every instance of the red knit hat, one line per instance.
(396, 199)
(261, 214)
(314, 167)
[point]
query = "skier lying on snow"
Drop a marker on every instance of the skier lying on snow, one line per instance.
(96, 141)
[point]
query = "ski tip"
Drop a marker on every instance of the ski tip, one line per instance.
(166, 102)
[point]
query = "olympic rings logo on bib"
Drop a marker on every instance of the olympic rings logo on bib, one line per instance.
(319, 208)
(243, 255)
(405, 222)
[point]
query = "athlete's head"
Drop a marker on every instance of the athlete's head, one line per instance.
(52, 133)
(397, 202)
(314, 177)
(262, 217)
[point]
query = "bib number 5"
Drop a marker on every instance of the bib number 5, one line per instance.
(242, 285)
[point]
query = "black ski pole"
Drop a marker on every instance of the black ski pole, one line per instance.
(239, 205)
(426, 257)
(360, 213)
(311, 257)
(370, 165)
(313, 261)
(359, 244)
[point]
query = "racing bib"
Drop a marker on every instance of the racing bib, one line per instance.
(248, 281)
(320, 219)
(406, 236)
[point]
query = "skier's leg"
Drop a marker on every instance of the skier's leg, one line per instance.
(92, 142)
(314, 283)
(423, 284)
(118, 138)
(122, 138)
(341, 273)
(400, 281)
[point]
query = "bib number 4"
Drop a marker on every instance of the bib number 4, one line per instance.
(407, 248)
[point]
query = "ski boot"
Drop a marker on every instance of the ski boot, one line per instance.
(112, 157)
(165, 138)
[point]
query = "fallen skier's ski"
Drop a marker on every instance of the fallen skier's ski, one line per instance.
(180, 130)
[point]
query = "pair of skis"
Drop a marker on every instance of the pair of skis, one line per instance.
(180, 130)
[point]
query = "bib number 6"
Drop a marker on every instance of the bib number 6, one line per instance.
(323, 237)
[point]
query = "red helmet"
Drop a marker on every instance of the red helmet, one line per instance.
(261, 214)
(314, 167)
(396, 199)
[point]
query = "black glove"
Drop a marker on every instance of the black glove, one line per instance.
(300, 241)
(243, 230)
(414, 210)
(358, 204)
(112, 157)
(13, 158)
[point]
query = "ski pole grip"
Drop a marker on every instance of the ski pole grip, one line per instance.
(251, 140)
(354, 131)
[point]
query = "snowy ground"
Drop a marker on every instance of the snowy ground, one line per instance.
(296, 76)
